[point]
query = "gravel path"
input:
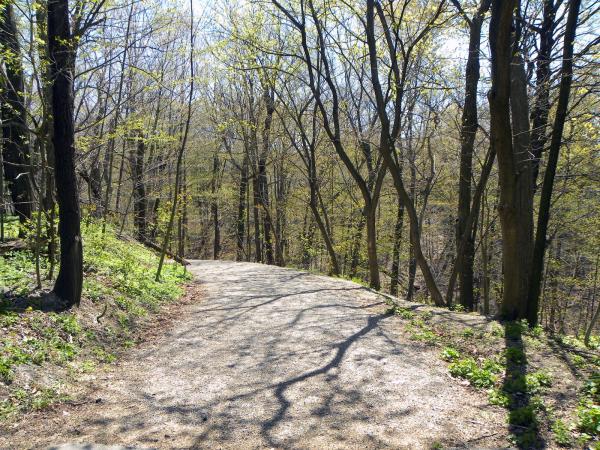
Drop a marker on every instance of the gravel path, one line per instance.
(278, 358)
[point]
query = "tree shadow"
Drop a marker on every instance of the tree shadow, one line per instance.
(39, 300)
(340, 350)
(522, 409)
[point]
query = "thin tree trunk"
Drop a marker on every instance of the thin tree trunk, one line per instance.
(485, 260)
(553, 154)
(389, 134)
(541, 107)
(256, 216)
(2, 210)
(596, 316)
(467, 138)
(240, 229)
(356, 244)
(214, 208)
(181, 149)
(396, 250)
(110, 151)
(263, 182)
(139, 188)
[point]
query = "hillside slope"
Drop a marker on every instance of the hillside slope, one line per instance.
(40, 352)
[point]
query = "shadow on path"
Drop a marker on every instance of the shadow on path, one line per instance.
(280, 388)
(522, 410)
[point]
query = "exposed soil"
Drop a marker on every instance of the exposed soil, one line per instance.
(273, 357)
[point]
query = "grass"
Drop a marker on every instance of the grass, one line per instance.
(118, 280)
(524, 388)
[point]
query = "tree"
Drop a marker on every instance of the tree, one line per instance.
(320, 79)
(513, 165)
(16, 152)
(69, 281)
(180, 153)
(566, 76)
(468, 132)
(390, 129)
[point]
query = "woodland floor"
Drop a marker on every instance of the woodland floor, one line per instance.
(273, 357)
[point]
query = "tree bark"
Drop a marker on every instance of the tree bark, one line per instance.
(16, 152)
(69, 281)
(396, 250)
(553, 154)
(140, 206)
(214, 209)
(467, 138)
(240, 228)
(512, 166)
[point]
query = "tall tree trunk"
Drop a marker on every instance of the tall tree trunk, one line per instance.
(356, 244)
(467, 140)
(596, 315)
(541, 107)
(280, 219)
(2, 210)
(514, 175)
(308, 234)
(69, 281)
(471, 222)
(263, 198)
(331, 123)
(553, 154)
(94, 178)
(110, 148)
(371, 219)
(181, 152)
(389, 135)
(263, 182)
(485, 261)
(13, 114)
(412, 260)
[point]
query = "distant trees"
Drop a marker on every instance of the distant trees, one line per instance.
(350, 139)
(13, 114)
(182, 147)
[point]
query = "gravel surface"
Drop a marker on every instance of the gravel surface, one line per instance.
(275, 358)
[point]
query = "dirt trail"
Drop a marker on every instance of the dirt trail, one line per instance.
(278, 358)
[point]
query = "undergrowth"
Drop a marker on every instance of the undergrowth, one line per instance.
(495, 361)
(118, 291)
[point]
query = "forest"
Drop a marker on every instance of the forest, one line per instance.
(440, 152)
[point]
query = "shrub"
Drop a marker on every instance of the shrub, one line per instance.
(468, 369)
(499, 398)
(450, 354)
(468, 333)
(562, 435)
(589, 418)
